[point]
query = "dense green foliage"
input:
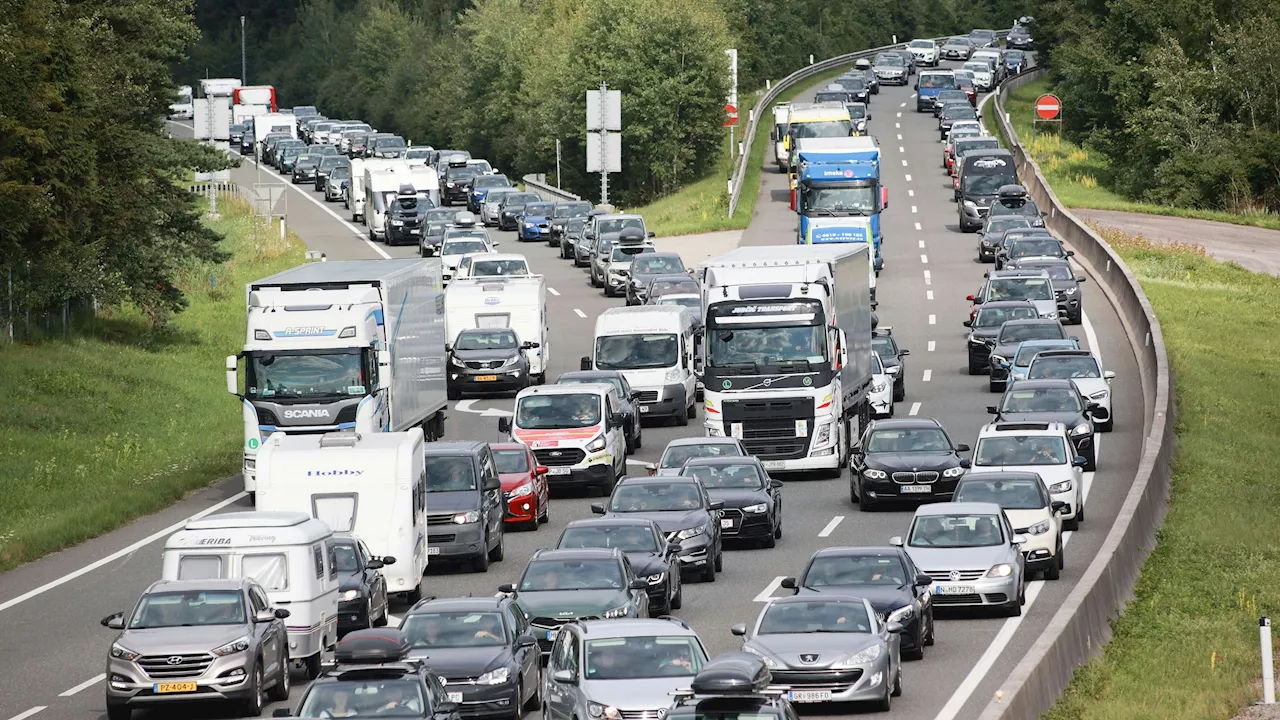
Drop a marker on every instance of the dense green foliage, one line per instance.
(88, 179)
(506, 78)
(1183, 96)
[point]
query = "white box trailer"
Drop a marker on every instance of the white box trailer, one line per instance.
(290, 554)
(347, 345)
(373, 485)
(382, 180)
(518, 303)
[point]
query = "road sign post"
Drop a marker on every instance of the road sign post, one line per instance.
(731, 107)
(1048, 109)
(604, 141)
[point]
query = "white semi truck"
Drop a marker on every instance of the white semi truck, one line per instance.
(342, 346)
(788, 357)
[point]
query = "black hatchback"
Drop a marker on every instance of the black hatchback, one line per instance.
(752, 500)
(904, 459)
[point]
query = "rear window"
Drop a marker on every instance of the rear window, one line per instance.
(937, 81)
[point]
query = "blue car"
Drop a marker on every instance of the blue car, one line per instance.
(534, 222)
(480, 187)
(1015, 61)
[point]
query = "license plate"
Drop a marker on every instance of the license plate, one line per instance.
(414, 232)
(486, 378)
(772, 464)
(644, 409)
(433, 550)
(954, 590)
(455, 697)
(726, 523)
(804, 696)
(559, 471)
(914, 489)
(551, 635)
(174, 687)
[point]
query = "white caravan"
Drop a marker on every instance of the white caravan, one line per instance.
(518, 303)
(653, 346)
(425, 181)
(290, 554)
(373, 485)
(381, 185)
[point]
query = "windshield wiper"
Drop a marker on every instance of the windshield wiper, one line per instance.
(744, 365)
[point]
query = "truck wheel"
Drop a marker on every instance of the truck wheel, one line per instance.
(682, 419)
(692, 412)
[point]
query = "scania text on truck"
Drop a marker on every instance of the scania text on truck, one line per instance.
(841, 178)
(788, 351)
(350, 345)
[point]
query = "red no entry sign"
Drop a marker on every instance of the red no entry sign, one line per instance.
(1048, 107)
(732, 113)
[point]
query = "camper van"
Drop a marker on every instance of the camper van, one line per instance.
(290, 554)
(518, 303)
(380, 188)
(373, 485)
(653, 346)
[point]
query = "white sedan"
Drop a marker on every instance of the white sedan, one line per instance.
(983, 77)
(881, 397)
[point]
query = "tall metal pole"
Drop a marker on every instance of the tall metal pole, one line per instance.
(557, 163)
(244, 73)
(604, 138)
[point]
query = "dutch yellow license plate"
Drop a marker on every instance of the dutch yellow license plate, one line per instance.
(486, 378)
(175, 687)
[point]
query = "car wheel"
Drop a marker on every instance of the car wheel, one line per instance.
(386, 610)
(119, 712)
(918, 653)
(280, 691)
(897, 683)
(900, 391)
(770, 541)
(692, 412)
(639, 434)
(544, 513)
(885, 703)
(253, 704)
(933, 629)
(517, 702)
(1054, 571)
(682, 418)
(1091, 462)
(480, 563)
(976, 368)
(677, 600)
(535, 700)
(499, 551)
(709, 572)
(719, 559)
(453, 393)
(631, 443)
(777, 532)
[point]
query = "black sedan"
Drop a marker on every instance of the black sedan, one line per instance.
(947, 96)
(482, 648)
(892, 358)
(910, 458)
(1054, 400)
(647, 549)
(648, 265)
(564, 212)
(1066, 287)
(992, 238)
(485, 360)
(1012, 334)
(570, 235)
(886, 577)
(985, 328)
(752, 500)
(362, 602)
(628, 406)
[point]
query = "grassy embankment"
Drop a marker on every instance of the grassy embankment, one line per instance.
(703, 206)
(1081, 177)
(121, 420)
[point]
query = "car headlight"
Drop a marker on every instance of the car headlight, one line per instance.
(469, 516)
(902, 614)
(596, 445)
(674, 375)
(956, 471)
(1100, 395)
(456, 361)
(1001, 570)
(509, 362)
(1070, 291)
(862, 657)
(397, 223)
(608, 712)
(521, 491)
(1039, 528)
(121, 652)
(756, 509)
(494, 677)
(1061, 487)
(971, 204)
(656, 578)
(767, 660)
(875, 474)
(350, 594)
(1051, 315)
(620, 611)
(1082, 429)
(879, 387)
(690, 532)
(235, 646)
(998, 359)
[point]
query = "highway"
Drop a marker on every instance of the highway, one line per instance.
(51, 608)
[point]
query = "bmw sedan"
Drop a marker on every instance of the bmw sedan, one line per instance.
(904, 459)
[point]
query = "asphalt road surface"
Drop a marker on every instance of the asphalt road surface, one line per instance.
(55, 648)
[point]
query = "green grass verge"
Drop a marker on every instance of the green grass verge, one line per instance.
(1081, 177)
(122, 420)
(703, 206)
(1186, 648)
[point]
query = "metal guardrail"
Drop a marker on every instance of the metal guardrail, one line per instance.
(1082, 624)
(538, 182)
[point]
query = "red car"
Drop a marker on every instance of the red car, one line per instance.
(524, 484)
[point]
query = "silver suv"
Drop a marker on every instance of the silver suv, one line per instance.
(620, 669)
(198, 640)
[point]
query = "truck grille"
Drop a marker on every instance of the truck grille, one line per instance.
(915, 478)
(559, 456)
(647, 396)
(774, 439)
(164, 667)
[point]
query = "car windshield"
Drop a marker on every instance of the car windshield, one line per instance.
(440, 215)
(830, 96)
(1027, 351)
(194, 608)
(958, 110)
(937, 81)
(673, 287)
(615, 382)
(656, 497)
(1020, 289)
(519, 199)
(998, 225)
(922, 44)
(605, 227)
(490, 181)
(487, 268)
(1057, 272)
(364, 698)
(1054, 400)
(627, 538)
(1020, 450)
(726, 476)
(548, 412)
(462, 247)
(1036, 247)
(956, 531)
(633, 352)
(410, 154)
(969, 146)
(640, 657)
(331, 162)
(569, 210)
(884, 346)
(305, 374)
(814, 616)
(861, 200)
(692, 302)
(463, 172)
(975, 184)
(1064, 366)
(494, 196)
(450, 474)
(857, 111)
(827, 570)
(931, 440)
(821, 128)
(1022, 332)
(677, 455)
(344, 557)
(454, 630)
(541, 209)
(486, 340)
(978, 67)
(388, 143)
(889, 59)
(1009, 494)
(1013, 56)
(997, 316)
(511, 461)
(654, 264)
(572, 575)
(1022, 207)
(575, 225)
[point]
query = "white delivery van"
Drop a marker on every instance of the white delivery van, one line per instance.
(575, 430)
(373, 485)
(778, 134)
(381, 185)
(290, 554)
(653, 346)
(518, 303)
(353, 197)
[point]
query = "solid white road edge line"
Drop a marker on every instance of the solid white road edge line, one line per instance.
(86, 684)
(355, 229)
(831, 526)
(769, 589)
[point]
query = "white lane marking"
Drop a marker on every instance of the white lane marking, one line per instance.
(29, 713)
(903, 105)
(831, 526)
(355, 229)
(914, 209)
(579, 313)
(119, 553)
(899, 136)
(913, 97)
(915, 409)
(918, 226)
(932, 345)
(908, 178)
(927, 275)
(770, 589)
(898, 126)
(928, 375)
(928, 294)
(901, 149)
(924, 259)
(933, 319)
(900, 114)
(553, 291)
(86, 684)
(921, 244)
(904, 163)
(911, 193)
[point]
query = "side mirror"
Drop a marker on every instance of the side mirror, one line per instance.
(374, 564)
(1109, 375)
(584, 363)
(789, 583)
(775, 484)
(504, 425)
(1070, 253)
(894, 627)
(970, 298)
(635, 395)
(884, 197)
(507, 588)
(388, 559)
(232, 385)
(923, 580)
(1019, 539)
(565, 677)
(597, 508)
(541, 470)
(652, 468)
(1044, 214)
(1057, 506)
(968, 323)
(963, 448)
(527, 346)
(993, 409)
(639, 584)
(904, 353)
(653, 234)
(673, 547)
(896, 541)
(1080, 461)
(492, 484)
(282, 614)
(525, 641)
(716, 505)
(115, 621)
(616, 419)
(263, 616)
(739, 629)
(917, 86)
(964, 463)
(1099, 413)
(1082, 279)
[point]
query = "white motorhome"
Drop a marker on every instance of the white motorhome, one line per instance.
(425, 181)
(518, 303)
(268, 123)
(373, 485)
(653, 346)
(290, 554)
(381, 184)
(778, 134)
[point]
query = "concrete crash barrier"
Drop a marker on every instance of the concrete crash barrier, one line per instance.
(1082, 625)
(538, 183)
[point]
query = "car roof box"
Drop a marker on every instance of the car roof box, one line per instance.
(1012, 191)
(373, 646)
(740, 673)
(631, 235)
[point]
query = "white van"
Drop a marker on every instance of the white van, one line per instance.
(353, 199)
(778, 134)
(653, 346)
(373, 485)
(290, 554)
(518, 303)
(577, 431)
(425, 181)
(381, 185)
